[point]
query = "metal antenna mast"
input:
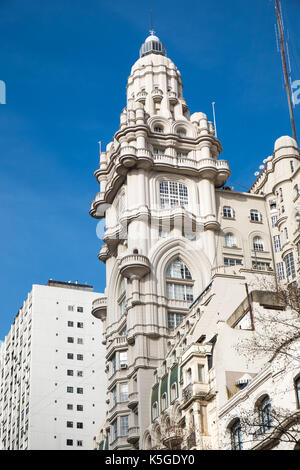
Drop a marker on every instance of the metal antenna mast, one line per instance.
(285, 69)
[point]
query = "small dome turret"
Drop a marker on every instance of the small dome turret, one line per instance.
(152, 45)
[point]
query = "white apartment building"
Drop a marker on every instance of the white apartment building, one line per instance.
(172, 228)
(52, 381)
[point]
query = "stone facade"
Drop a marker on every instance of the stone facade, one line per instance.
(174, 234)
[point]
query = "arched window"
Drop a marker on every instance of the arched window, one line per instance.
(182, 286)
(173, 392)
(297, 390)
(181, 132)
(159, 129)
(265, 414)
(258, 244)
(236, 435)
(154, 410)
(230, 240)
(178, 270)
(172, 194)
(164, 401)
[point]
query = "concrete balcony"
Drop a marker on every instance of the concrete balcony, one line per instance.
(117, 343)
(134, 265)
(99, 308)
(133, 434)
(157, 94)
(195, 390)
(133, 399)
(99, 206)
(172, 97)
(172, 440)
(128, 156)
(141, 97)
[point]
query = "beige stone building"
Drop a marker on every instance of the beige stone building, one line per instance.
(182, 251)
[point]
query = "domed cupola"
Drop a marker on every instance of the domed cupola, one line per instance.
(152, 45)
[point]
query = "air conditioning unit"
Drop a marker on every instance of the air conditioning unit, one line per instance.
(123, 366)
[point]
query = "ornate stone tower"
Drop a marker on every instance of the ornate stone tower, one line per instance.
(157, 194)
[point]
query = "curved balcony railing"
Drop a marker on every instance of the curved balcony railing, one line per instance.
(99, 307)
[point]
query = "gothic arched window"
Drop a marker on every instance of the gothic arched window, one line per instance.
(236, 435)
(179, 281)
(172, 194)
(265, 414)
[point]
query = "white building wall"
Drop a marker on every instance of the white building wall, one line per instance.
(48, 365)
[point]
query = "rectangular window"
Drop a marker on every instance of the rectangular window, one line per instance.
(70, 339)
(80, 373)
(79, 340)
(123, 391)
(79, 407)
(123, 358)
(292, 166)
(179, 291)
(254, 216)
(174, 319)
(286, 234)
(70, 389)
(277, 244)
(79, 425)
(227, 212)
(70, 356)
(290, 266)
(260, 265)
(280, 271)
(69, 406)
(70, 372)
(69, 442)
(79, 325)
(274, 219)
(124, 425)
(79, 357)
(69, 424)
(70, 323)
(70, 308)
(232, 262)
(200, 372)
(114, 396)
(114, 430)
(114, 363)
(80, 309)
(80, 390)
(79, 443)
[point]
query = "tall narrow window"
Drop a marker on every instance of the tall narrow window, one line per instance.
(123, 391)
(236, 436)
(230, 240)
(277, 244)
(254, 216)
(124, 425)
(297, 390)
(265, 415)
(182, 287)
(172, 194)
(290, 266)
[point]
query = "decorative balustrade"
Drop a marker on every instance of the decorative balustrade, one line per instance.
(134, 265)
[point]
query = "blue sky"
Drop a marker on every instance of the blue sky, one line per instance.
(65, 65)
